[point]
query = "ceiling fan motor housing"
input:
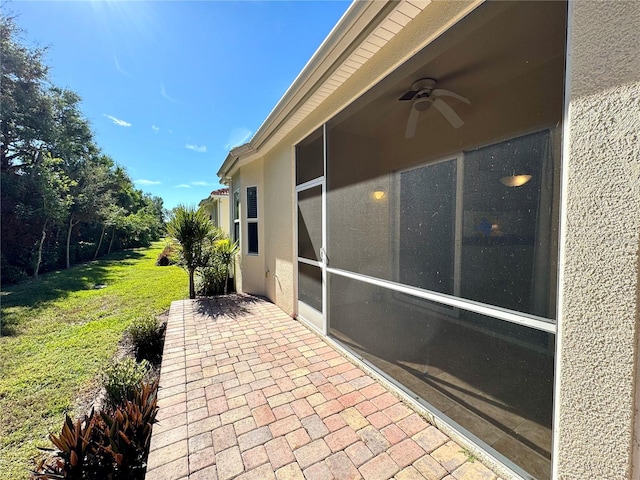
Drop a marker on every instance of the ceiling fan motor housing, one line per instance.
(425, 85)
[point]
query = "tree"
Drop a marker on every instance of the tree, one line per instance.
(25, 127)
(26, 105)
(51, 186)
(55, 181)
(90, 194)
(190, 227)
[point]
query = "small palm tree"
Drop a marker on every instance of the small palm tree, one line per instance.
(191, 228)
(226, 251)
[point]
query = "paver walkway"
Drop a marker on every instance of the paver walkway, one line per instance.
(247, 392)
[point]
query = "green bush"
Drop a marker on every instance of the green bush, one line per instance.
(11, 274)
(147, 337)
(211, 279)
(214, 275)
(122, 379)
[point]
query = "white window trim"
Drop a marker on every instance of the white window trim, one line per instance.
(235, 212)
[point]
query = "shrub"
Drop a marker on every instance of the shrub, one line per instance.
(10, 274)
(84, 251)
(146, 335)
(74, 457)
(125, 432)
(121, 380)
(113, 444)
(167, 257)
(211, 279)
(214, 276)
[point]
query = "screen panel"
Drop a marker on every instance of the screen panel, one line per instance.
(310, 223)
(310, 158)
(426, 251)
(310, 285)
(497, 384)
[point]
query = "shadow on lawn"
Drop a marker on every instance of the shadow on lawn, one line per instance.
(51, 286)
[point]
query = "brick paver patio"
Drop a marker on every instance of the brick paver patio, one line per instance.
(247, 392)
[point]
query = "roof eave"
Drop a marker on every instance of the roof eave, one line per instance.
(340, 39)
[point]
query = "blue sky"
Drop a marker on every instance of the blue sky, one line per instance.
(170, 86)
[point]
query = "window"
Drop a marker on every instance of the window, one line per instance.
(497, 249)
(426, 250)
(236, 216)
(252, 220)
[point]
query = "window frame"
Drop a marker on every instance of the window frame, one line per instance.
(252, 220)
(451, 302)
(236, 216)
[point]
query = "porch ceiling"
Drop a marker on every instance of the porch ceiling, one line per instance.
(461, 64)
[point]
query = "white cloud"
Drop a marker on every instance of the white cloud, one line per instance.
(238, 136)
(117, 121)
(183, 185)
(144, 181)
(155, 128)
(163, 92)
(196, 148)
(119, 68)
(200, 184)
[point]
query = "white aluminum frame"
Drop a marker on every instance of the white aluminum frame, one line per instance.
(304, 310)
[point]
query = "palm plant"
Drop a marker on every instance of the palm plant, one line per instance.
(226, 251)
(191, 229)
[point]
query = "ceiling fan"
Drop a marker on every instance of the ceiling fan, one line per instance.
(424, 94)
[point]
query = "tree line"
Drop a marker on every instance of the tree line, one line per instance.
(62, 199)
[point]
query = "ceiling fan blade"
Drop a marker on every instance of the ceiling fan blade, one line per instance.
(448, 112)
(412, 122)
(441, 92)
(409, 95)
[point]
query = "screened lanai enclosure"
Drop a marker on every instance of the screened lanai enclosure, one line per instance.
(428, 233)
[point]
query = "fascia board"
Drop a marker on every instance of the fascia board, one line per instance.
(340, 40)
(229, 165)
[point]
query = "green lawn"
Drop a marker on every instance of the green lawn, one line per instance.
(59, 331)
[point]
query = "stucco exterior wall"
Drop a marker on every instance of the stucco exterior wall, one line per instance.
(276, 168)
(252, 266)
(279, 235)
(599, 295)
(223, 214)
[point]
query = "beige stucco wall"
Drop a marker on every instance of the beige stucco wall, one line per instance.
(223, 214)
(279, 236)
(599, 317)
(251, 266)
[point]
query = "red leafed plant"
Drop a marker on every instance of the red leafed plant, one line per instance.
(112, 445)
